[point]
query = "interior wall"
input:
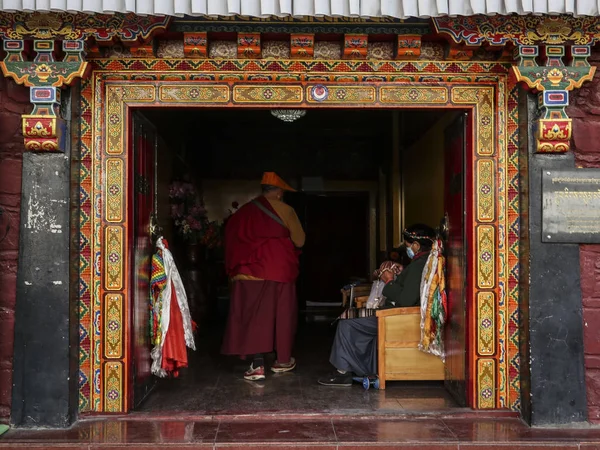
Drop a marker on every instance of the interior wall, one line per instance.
(423, 176)
(220, 194)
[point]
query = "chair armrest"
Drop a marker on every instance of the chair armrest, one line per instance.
(361, 301)
(398, 311)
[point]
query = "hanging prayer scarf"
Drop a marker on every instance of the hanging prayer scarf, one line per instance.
(166, 287)
(433, 302)
(158, 282)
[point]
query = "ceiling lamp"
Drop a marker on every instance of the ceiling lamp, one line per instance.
(288, 115)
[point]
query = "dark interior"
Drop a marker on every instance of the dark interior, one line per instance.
(347, 146)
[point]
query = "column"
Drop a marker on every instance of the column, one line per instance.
(553, 387)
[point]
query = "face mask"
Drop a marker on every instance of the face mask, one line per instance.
(410, 252)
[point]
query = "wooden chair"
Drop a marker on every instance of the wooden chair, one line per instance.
(399, 357)
(349, 296)
(361, 302)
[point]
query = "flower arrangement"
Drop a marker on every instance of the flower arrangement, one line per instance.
(188, 212)
(191, 219)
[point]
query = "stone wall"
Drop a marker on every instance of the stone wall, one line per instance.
(585, 112)
(14, 101)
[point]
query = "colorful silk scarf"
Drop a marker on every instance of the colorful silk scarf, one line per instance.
(164, 276)
(433, 302)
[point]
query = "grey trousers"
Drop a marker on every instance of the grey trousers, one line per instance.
(355, 346)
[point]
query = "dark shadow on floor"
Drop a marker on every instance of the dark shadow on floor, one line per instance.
(214, 384)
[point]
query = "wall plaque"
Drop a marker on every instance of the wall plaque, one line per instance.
(571, 206)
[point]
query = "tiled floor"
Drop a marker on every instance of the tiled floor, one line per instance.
(433, 433)
(212, 406)
(213, 385)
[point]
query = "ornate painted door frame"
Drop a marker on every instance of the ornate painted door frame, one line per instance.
(114, 90)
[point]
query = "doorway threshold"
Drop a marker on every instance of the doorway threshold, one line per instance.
(455, 413)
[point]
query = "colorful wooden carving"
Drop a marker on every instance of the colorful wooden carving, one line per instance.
(355, 46)
(302, 46)
(459, 54)
(42, 129)
(142, 51)
(409, 46)
(552, 81)
(368, 84)
(67, 26)
(537, 37)
(195, 45)
(248, 45)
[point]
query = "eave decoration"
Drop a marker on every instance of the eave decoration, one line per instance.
(551, 54)
(38, 33)
(561, 43)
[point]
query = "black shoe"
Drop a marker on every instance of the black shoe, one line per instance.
(337, 379)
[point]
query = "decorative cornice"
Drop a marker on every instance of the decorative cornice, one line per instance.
(64, 26)
(519, 30)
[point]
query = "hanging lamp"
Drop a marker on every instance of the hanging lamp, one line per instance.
(288, 115)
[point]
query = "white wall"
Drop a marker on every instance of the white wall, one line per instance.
(220, 194)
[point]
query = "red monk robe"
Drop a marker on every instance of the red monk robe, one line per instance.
(261, 258)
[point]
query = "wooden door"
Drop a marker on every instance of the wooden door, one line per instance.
(455, 218)
(144, 141)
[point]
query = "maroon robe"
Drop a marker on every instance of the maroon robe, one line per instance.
(256, 245)
(262, 312)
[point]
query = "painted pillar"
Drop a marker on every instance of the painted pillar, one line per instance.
(46, 332)
(552, 359)
(45, 375)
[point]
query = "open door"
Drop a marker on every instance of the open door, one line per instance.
(144, 141)
(454, 221)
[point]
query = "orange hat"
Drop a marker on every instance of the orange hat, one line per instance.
(272, 179)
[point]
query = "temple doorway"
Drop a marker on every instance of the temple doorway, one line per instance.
(361, 175)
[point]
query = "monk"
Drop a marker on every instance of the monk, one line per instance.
(262, 242)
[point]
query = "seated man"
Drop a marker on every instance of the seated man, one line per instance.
(354, 351)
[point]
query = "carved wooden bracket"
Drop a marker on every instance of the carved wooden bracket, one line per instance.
(45, 75)
(248, 45)
(561, 44)
(355, 46)
(195, 45)
(302, 46)
(552, 81)
(43, 128)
